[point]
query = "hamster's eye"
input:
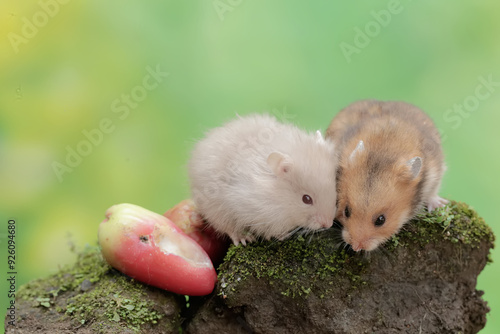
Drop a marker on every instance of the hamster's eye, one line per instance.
(307, 199)
(380, 220)
(347, 212)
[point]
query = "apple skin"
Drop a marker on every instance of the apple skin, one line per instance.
(187, 218)
(152, 249)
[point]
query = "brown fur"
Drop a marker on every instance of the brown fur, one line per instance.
(378, 179)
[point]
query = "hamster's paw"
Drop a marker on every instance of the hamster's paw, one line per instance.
(243, 239)
(436, 202)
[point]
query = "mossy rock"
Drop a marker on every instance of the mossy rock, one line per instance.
(299, 263)
(92, 297)
(423, 280)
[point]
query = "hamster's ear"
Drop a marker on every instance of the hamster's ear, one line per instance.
(359, 148)
(414, 166)
(319, 137)
(280, 163)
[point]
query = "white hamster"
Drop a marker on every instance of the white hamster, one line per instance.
(256, 177)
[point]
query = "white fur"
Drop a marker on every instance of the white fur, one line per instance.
(248, 178)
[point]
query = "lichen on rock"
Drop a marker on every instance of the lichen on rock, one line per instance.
(423, 280)
(295, 265)
(298, 263)
(93, 296)
(456, 222)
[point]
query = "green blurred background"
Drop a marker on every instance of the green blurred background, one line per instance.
(67, 66)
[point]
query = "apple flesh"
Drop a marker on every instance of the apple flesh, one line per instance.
(187, 218)
(152, 249)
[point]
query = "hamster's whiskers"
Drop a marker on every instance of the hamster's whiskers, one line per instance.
(286, 235)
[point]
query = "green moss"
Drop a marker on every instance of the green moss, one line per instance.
(278, 263)
(457, 223)
(107, 297)
(113, 304)
(90, 266)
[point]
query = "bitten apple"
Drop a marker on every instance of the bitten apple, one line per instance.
(152, 249)
(185, 216)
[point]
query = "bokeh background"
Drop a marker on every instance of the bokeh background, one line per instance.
(71, 68)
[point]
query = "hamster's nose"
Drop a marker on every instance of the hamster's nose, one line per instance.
(327, 223)
(357, 247)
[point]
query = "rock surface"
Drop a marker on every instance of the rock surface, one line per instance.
(92, 297)
(421, 281)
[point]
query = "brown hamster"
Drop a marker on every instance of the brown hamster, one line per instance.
(257, 177)
(391, 165)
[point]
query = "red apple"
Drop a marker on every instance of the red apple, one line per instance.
(185, 216)
(152, 249)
